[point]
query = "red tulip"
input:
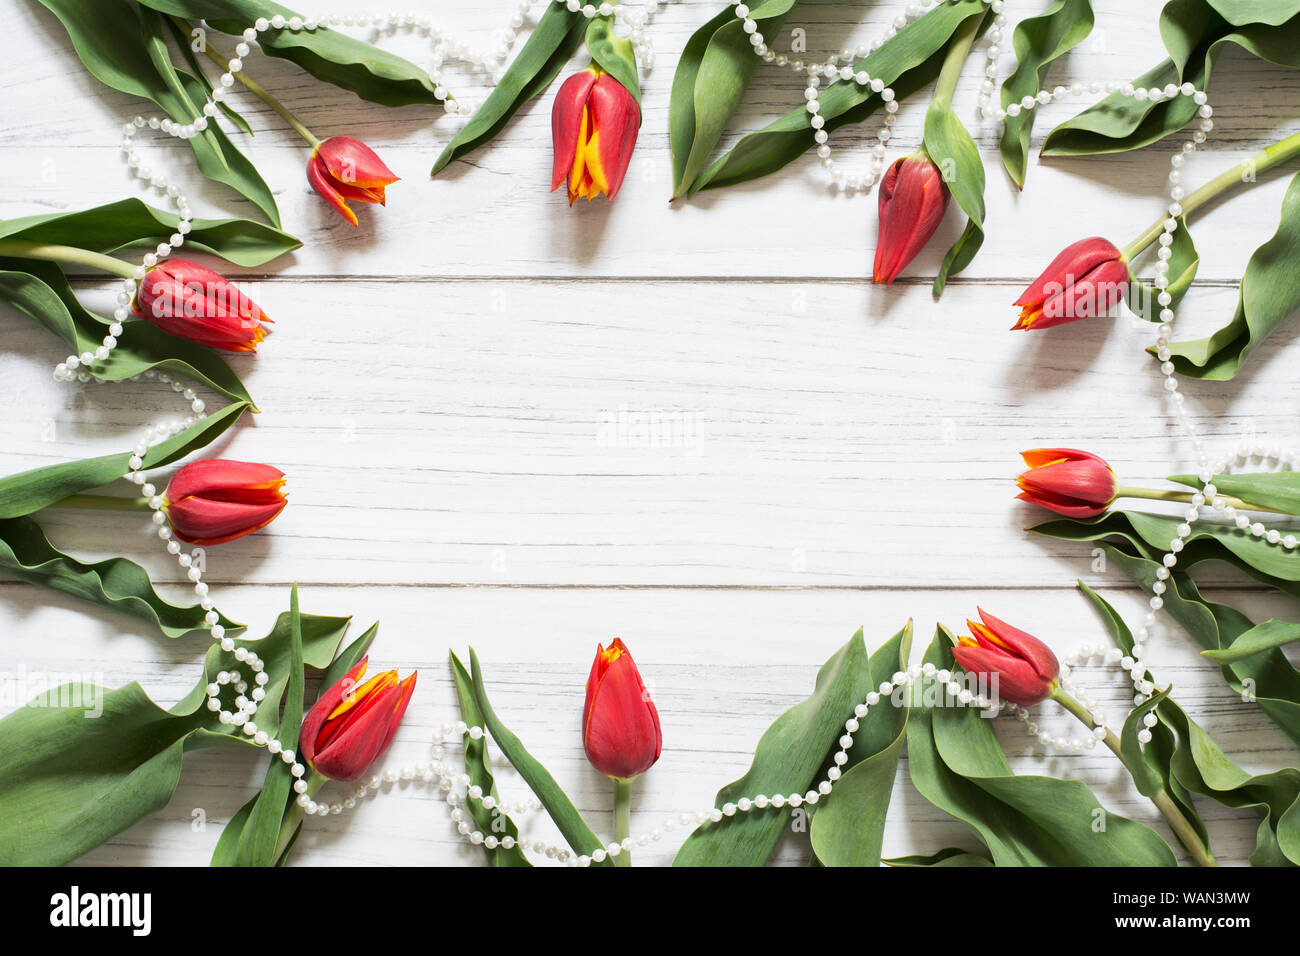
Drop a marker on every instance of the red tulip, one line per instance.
(1024, 667)
(913, 198)
(191, 302)
(620, 726)
(214, 501)
(1087, 279)
(350, 726)
(1077, 484)
(594, 124)
(343, 168)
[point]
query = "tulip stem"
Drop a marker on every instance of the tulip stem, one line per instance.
(1244, 172)
(1182, 827)
(622, 818)
(102, 503)
(260, 92)
(1168, 494)
(958, 50)
(67, 255)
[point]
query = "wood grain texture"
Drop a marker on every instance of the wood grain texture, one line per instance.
(528, 428)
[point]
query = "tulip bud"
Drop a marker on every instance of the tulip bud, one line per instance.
(620, 726)
(913, 198)
(1024, 668)
(343, 168)
(350, 726)
(191, 302)
(214, 501)
(1085, 280)
(1077, 484)
(594, 124)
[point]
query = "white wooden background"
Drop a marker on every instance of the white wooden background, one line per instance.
(531, 428)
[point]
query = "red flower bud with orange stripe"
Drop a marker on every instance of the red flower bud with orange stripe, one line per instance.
(192, 302)
(913, 199)
(1077, 484)
(342, 169)
(620, 725)
(1087, 279)
(594, 124)
(1024, 667)
(216, 500)
(351, 726)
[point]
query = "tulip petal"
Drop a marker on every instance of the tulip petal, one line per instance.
(311, 724)
(320, 181)
(351, 162)
(566, 124)
(225, 478)
(1038, 457)
(1077, 259)
(1023, 644)
(615, 120)
(405, 690)
(196, 521)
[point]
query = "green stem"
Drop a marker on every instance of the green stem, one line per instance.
(260, 92)
(622, 818)
(1181, 826)
(1168, 494)
(294, 817)
(66, 255)
(1244, 171)
(103, 503)
(958, 49)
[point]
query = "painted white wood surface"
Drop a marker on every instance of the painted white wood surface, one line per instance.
(697, 427)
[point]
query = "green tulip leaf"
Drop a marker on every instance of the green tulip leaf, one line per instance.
(908, 62)
(848, 826)
(712, 75)
(133, 225)
(1262, 637)
(551, 44)
(329, 55)
(950, 856)
(1195, 34)
(115, 583)
(489, 822)
(1269, 295)
(40, 291)
(30, 491)
(1272, 491)
(613, 54)
(951, 148)
(259, 839)
(787, 760)
(565, 815)
(1038, 41)
(82, 763)
(956, 763)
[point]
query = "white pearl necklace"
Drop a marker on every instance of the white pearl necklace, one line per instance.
(456, 785)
